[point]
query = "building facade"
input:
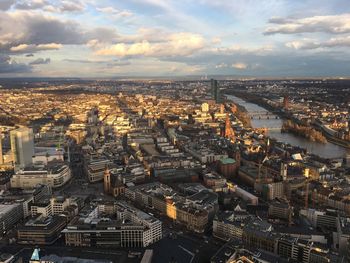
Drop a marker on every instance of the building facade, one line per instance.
(54, 176)
(22, 146)
(41, 230)
(163, 199)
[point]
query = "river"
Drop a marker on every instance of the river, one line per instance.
(325, 150)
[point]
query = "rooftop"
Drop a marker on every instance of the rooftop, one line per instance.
(228, 161)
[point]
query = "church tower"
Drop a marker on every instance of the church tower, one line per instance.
(228, 129)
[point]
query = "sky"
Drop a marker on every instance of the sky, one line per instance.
(111, 38)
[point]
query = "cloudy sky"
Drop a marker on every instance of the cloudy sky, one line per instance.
(110, 38)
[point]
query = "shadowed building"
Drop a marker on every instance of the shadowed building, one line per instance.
(215, 90)
(22, 146)
(112, 183)
(41, 230)
(228, 167)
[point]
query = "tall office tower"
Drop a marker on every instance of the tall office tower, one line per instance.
(212, 84)
(22, 146)
(215, 90)
(1, 155)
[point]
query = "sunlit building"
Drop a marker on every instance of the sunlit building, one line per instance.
(193, 211)
(54, 175)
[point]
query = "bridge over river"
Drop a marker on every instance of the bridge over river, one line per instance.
(269, 121)
(262, 115)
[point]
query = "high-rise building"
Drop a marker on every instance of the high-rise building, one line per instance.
(215, 90)
(22, 146)
(212, 85)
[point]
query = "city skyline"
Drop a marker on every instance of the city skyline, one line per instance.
(46, 38)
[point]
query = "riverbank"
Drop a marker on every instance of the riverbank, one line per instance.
(251, 98)
(304, 131)
(332, 138)
(255, 100)
(243, 116)
(324, 150)
(240, 112)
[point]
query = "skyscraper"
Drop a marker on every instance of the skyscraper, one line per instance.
(22, 146)
(215, 90)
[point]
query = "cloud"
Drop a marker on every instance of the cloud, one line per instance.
(115, 13)
(25, 48)
(118, 63)
(99, 35)
(40, 61)
(71, 6)
(111, 63)
(313, 44)
(30, 32)
(84, 61)
(221, 65)
(176, 44)
(65, 6)
(59, 7)
(22, 27)
(6, 4)
(240, 65)
(238, 49)
(30, 4)
(216, 40)
(8, 65)
(333, 24)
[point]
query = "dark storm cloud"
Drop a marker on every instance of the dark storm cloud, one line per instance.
(35, 31)
(42, 30)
